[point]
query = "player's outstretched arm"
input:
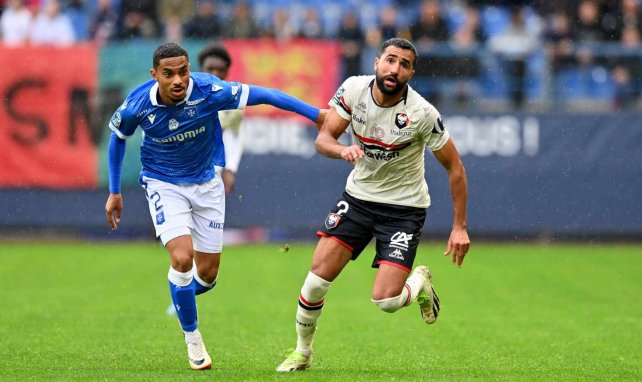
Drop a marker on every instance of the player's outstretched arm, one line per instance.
(259, 95)
(458, 242)
(115, 155)
(327, 142)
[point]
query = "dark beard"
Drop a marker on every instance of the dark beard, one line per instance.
(389, 92)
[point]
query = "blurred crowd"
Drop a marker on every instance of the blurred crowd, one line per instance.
(588, 48)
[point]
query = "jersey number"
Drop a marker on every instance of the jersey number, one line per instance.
(343, 207)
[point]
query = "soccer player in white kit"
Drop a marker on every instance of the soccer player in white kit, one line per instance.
(182, 156)
(215, 59)
(386, 194)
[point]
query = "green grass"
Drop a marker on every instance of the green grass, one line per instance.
(527, 312)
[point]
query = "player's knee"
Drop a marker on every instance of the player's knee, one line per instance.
(182, 261)
(209, 274)
(389, 305)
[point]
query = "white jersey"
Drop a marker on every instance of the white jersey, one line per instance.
(393, 139)
(232, 137)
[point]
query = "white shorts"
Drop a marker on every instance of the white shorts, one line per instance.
(188, 209)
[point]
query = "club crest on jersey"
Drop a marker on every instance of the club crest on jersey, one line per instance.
(173, 124)
(401, 120)
(191, 112)
(332, 221)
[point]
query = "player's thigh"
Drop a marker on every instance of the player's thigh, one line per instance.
(208, 215)
(398, 232)
(169, 208)
(349, 223)
(389, 281)
(329, 259)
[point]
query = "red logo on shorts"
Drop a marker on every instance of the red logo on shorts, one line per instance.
(332, 220)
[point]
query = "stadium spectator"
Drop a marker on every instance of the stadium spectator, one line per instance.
(626, 69)
(103, 23)
(181, 153)
(181, 10)
(138, 19)
(51, 27)
(388, 22)
(385, 199)
(282, 27)
(351, 39)
(205, 24)
(311, 26)
(514, 46)
(77, 12)
(587, 26)
(631, 15)
(16, 23)
(465, 40)
(430, 27)
(242, 24)
(172, 15)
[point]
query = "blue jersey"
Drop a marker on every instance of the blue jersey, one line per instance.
(181, 143)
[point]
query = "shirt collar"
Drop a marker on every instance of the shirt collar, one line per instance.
(153, 93)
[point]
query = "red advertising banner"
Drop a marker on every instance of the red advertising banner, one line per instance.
(306, 69)
(45, 135)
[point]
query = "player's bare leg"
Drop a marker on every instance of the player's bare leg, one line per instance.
(393, 290)
(330, 257)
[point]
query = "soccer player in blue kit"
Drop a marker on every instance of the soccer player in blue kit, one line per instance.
(182, 156)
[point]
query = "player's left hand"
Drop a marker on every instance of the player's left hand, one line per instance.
(229, 179)
(321, 118)
(458, 245)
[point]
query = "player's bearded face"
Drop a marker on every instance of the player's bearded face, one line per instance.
(393, 70)
(172, 75)
(390, 84)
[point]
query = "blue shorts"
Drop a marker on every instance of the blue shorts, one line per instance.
(397, 229)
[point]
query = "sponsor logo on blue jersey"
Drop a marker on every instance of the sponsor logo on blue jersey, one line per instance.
(180, 137)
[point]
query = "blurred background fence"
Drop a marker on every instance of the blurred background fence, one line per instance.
(543, 101)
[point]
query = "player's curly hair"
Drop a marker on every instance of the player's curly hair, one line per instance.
(168, 50)
(400, 43)
(216, 50)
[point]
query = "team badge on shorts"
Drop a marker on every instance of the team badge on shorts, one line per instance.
(332, 221)
(160, 218)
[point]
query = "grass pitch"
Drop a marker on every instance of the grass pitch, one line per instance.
(96, 312)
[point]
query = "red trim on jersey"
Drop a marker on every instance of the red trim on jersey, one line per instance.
(308, 303)
(376, 142)
(345, 106)
(323, 234)
(393, 265)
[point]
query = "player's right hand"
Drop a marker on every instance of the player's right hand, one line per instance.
(113, 207)
(352, 153)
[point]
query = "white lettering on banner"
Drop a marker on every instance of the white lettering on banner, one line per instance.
(505, 136)
(278, 136)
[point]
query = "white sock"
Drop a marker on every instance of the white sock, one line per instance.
(311, 302)
(411, 289)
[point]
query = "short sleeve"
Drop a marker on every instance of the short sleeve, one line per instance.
(437, 135)
(123, 122)
(343, 99)
(222, 94)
